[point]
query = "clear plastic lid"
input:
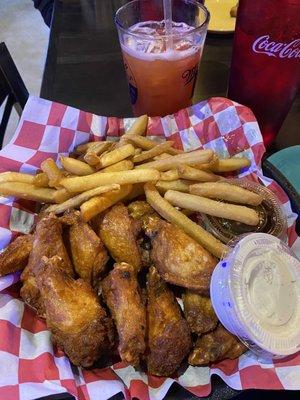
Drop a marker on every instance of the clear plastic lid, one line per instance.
(255, 291)
(272, 218)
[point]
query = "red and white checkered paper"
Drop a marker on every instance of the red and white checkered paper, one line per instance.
(29, 365)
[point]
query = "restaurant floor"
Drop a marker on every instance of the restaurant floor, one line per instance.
(26, 36)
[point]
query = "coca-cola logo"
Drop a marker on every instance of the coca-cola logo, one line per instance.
(264, 45)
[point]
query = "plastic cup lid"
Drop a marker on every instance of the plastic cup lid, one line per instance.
(264, 285)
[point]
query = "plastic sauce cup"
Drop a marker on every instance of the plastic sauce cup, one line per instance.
(255, 291)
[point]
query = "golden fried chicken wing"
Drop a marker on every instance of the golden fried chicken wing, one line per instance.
(77, 321)
(216, 346)
(121, 293)
(138, 209)
(169, 338)
(88, 253)
(47, 241)
(199, 312)
(15, 256)
(118, 232)
(146, 215)
(181, 260)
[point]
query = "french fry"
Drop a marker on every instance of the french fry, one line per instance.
(27, 191)
(139, 126)
(137, 151)
(41, 180)
(194, 174)
(230, 164)
(76, 167)
(155, 151)
(161, 156)
(148, 144)
(211, 207)
(81, 198)
(124, 165)
(53, 172)
(226, 191)
(167, 211)
(179, 184)
(92, 155)
(136, 191)
(194, 157)
(61, 195)
(96, 205)
(82, 148)
(83, 183)
(16, 177)
(208, 166)
(115, 156)
(170, 175)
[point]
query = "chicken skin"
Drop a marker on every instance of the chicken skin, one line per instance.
(121, 293)
(78, 323)
(118, 232)
(216, 346)
(180, 260)
(88, 253)
(47, 241)
(199, 312)
(169, 338)
(15, 256)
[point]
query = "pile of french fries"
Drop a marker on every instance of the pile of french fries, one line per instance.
(97, 175)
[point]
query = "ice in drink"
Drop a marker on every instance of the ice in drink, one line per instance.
(265, 67)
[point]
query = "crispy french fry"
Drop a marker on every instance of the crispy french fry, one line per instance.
(167, 211)
(170, 175)
(124, 165)
(93, 152)
(179, 184)
(16, 177)
(194, 174)
(208, 166)
(83, 183)
(155, 151)
(142, 142)
(139, 126)
(230, 164)
(161, 156)
(82, 148)
(81, 198)
(61, 195)
(27, 191)
(211, 207)
(137, 151)
(96, 205)
(53, 172)
(116, 155)
(41, 180)
(194, 157)
(226, 191)
(136, 191)
(76, 167)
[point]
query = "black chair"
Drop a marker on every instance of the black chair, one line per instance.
(12, 89)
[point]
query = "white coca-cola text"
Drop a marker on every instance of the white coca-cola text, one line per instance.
(276, 49)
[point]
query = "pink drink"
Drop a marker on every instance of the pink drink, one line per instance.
(265, 69)
(161, 81)
(161, 56)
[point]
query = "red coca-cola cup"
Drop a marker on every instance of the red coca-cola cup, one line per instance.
(265, 66)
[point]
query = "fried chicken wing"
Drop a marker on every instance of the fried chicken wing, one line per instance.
(88, 253)
(118, 232)
(215, 346)
(122, 295)
(199, 312)
(146, 215)
(77, 321)
(15, 256)
(169, 338)
(47, 241)
(181, 260)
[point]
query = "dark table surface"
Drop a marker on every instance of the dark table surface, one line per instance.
(84, 69)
